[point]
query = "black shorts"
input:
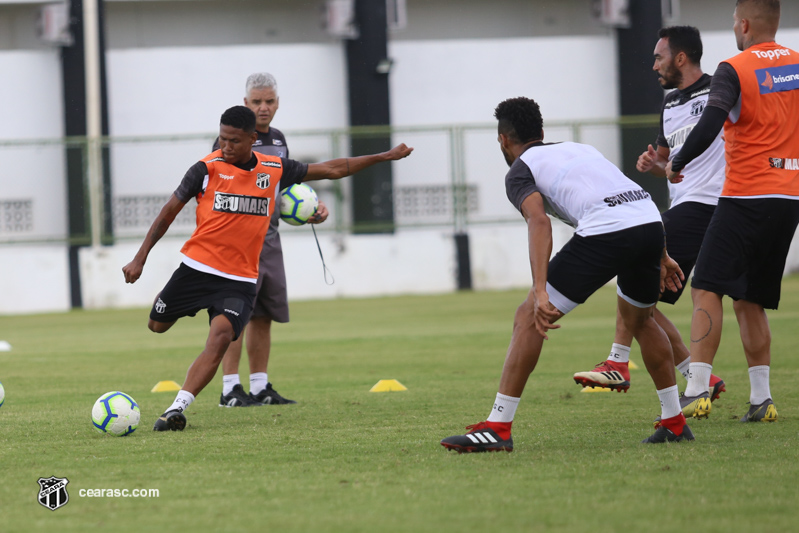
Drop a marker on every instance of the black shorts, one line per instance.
(744, 252)
(585, 264)
(271, 300)
(189, 291)
(686, 225)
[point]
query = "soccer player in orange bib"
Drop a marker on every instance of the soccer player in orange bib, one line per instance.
(754, 96)
(235, 189)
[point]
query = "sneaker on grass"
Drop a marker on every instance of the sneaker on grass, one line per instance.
(716, 387)
(764, 412)
(664, 434)
(235, 398)
(607, 374)
(696, 406)
(269, 396)
(481, 437)
(170, 421)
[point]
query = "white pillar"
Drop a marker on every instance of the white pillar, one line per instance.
(94, 164)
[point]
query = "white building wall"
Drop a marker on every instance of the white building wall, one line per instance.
(184, 89)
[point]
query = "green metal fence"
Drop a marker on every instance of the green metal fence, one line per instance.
(453, 180)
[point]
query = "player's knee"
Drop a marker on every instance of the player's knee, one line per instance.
(158, 327)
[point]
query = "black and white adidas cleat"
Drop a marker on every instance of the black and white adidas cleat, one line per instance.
(480, 438)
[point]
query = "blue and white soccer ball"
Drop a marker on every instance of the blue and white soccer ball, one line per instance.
(2, 395)
(116, 413)
(298, 204)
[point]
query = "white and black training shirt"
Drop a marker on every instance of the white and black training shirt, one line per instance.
(580, 187)
(704, 176)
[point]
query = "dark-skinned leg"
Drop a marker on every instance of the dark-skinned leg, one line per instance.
(523, 351)
(200, 373)
(659, 360)
(655, 346)
(525, 348)
(203, 369)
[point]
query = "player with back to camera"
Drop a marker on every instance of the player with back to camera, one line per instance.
(271, 301)
(618, 233)
(678, 52)
(755, 98)
(235, 189)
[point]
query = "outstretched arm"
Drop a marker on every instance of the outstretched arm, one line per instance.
(133, 270)
(346, 166)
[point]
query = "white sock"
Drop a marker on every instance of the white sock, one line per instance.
(669, 402)
(504, 409)
(758, 381)
(182, 401)
(683, 367)
(258, 382)
(619, 353)
(698, 379)
(228, 382)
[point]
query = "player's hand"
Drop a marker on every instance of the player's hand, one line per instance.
(398, 152)
(647, 160)
(544, 313)
(673, 176)
(321, 214)
(671, 275)
(132, 271)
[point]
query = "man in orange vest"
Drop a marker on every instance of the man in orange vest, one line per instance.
(754, 96)
(235, 189)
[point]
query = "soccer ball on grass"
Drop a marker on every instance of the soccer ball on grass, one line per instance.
(116, 413)
(2, 395)
(298, 204)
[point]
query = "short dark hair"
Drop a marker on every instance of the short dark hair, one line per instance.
(768, 9)
(520, 119)
(240, 117)
(684, 39)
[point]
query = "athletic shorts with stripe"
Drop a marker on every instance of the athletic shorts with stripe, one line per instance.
(585, 264)
(685, 224)
(271, 299)
(745, 248)
(189, 291)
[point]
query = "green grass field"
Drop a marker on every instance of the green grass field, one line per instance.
(347, 460)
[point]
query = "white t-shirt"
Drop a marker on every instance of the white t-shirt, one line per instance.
(580, 187)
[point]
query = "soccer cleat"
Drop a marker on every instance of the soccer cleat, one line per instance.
(764, 412)
(607, 374)
(696, 406)
(170, 421)
(663, 434)
(235, 398)
(269, 396)
(717, 387)
(479, 438)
